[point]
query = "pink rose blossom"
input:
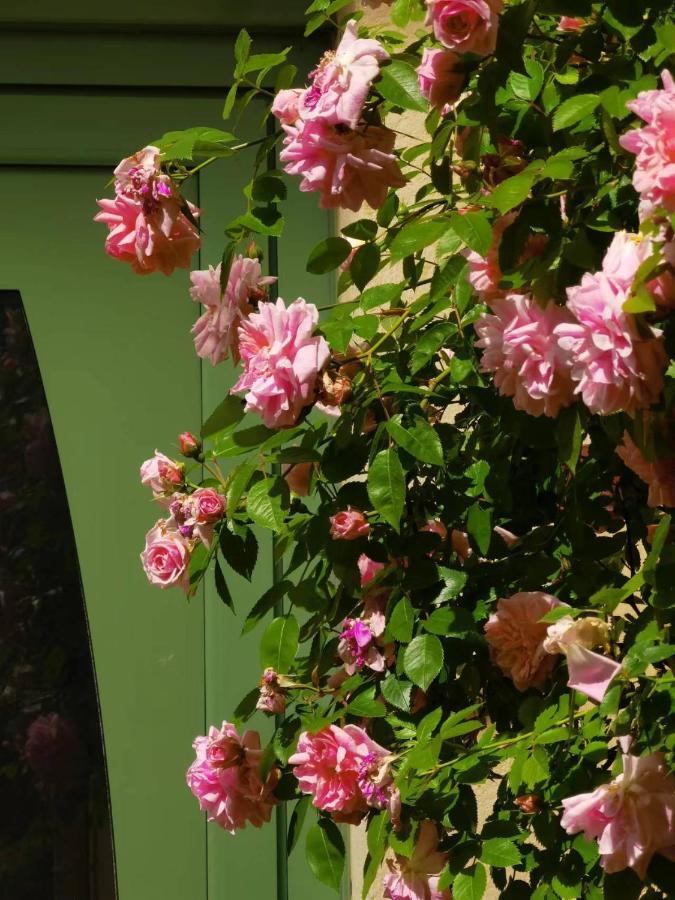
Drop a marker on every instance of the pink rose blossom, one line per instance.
(286, 105)
(516, 638)
(341, 82)
(358, 649)
(216, 331)
(166, 557)
(282, 361)
(485, 272)
(654, 146)
(349, 525)
(588, 672)
(272, 698)
(347, 168)
(659, 475)
(466, 26)
(521, 348)
(146, 225)
(225, 779)
(569, 23)
(440, 78)
(615, 365)
(632, 817)
(328, 765)
(194, 515)
(368, 568)
(417, 877)
(162, 475)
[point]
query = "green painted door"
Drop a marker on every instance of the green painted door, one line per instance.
(121, 377)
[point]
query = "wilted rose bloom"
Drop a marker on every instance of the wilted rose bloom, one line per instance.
(654, 176)
(272, 698)
(529, 803)
(509, 160)
(282, 361)
(286, 105)
(416, 877)
(349, 525)
(298, 477)
(368, 568)
(588, 672)
(358, 649)
(440, 78)
(162, 475)
(53, 751)
(616, 367)
(569, 23)
(347, 168)
(435, 526)
(520, 346)
(166, 556)
(632, 817)
(467, 26)
(225, 779)
(376, 783)
(336, 389)
(146, 226)
(516, 638)
(659, 475)
(341, 82)
(328, 763)
(194, 515)
(216, 332)
(509, 538)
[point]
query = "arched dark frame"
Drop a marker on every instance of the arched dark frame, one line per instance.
(55, 829)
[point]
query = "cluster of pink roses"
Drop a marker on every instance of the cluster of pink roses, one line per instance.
(347, 161)
(147, 226)
(225, 778)
(192, 518)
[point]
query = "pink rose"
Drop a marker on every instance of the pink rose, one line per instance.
(225, 779)
(516, 638)
(328, 765)
(166, 557)
(348, 525)
(659, 475)
(466, 26)
(190, 446)
(272, 698)
(194, 515)
(368, 568)
(146, 225)
(588, 672)
(440, 78)
(286, 105)
(208, 505)
(298, 477)
(282, 361)
(569, 23)
(632, 817)
(347, 168)
(358, 649)
(162, 475)
(654, 146)
(341, 82)
(616, 365)
(417, 877)
(520, 346)
(216, 331)
(485, 273)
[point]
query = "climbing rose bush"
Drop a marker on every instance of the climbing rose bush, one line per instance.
(465, 463)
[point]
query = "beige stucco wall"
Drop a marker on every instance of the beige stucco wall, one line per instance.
(410, 124)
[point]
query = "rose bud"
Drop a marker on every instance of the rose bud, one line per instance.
(190, 445)
(253, 251)
(348, 525)
(529, 803)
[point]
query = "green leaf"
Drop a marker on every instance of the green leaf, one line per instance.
(500, 852)
(401, 621)
(222, 588)
(574, 110)
(279, 644)
(380, 295)
(423, 659)
(361, 230)
(241, 553)
(296, 822)
(268, 601)
(327, 255)
(202, 140)
(512, 192)
(242, 48)
(420, 439)
(386, 487)
(455, 582)
(570, 436)
(641, 300)
(470, 884)
(237, 484)
(229, 412)
(267, 502)
(325, 853)
(611, 597)
(364, 265)
(262, 220)
(474, 229)
(479, 526)
(399, 84)
(416, 236)
(365, 705)
(397, 692)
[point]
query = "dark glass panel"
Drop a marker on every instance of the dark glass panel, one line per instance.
(55, 833)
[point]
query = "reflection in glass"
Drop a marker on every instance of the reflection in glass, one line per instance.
(55, 836)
